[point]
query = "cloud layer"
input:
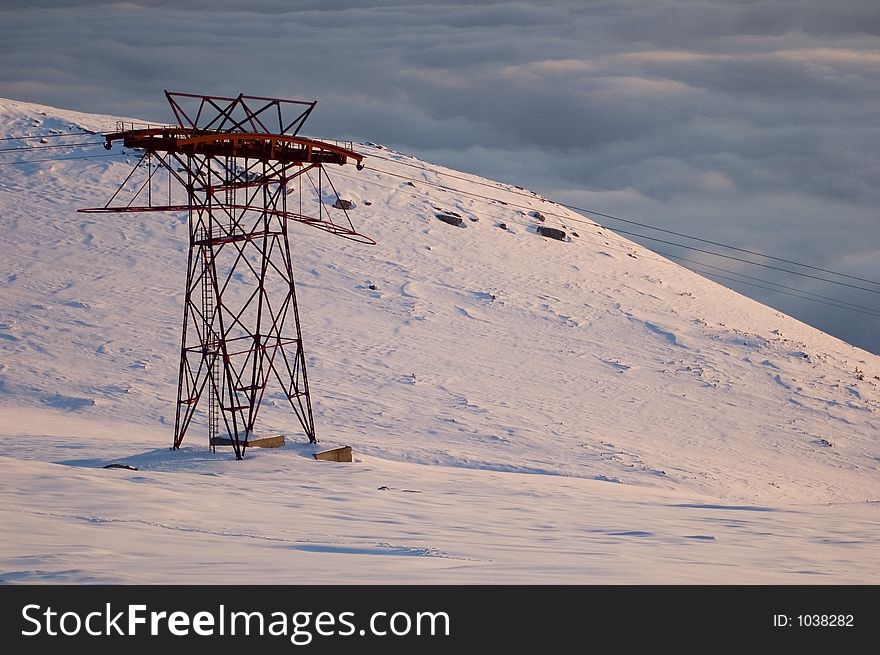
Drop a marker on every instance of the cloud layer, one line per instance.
(752, 123)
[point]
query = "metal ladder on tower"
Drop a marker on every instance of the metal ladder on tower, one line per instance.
(210, 342)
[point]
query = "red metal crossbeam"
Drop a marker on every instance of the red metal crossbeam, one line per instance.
(245, 145)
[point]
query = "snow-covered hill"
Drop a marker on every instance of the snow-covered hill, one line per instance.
(579, 411)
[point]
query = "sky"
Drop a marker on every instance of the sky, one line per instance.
(752, 123)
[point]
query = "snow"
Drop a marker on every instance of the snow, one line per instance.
(521, 409)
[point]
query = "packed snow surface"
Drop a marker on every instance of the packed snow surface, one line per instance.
(521, 409)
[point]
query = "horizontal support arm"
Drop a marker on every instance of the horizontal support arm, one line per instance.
(254, 145)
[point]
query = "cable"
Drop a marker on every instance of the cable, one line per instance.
(786, 293)
(824, 300)
(35, 161)
(750, 277)
(746, 261)
(625, 220)
(47, 147)
(804, 295)
(723, 245)
(645, 236)
(53, 135)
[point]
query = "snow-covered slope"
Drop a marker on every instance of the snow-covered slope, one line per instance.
(576, 411)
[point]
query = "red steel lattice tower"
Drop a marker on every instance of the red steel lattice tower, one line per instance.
(240, 170)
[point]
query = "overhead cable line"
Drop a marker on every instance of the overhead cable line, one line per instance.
(51, 135)
(36, 161)
(804, 295)
(746, 261)
(625, 220)
(48, 147)
(787, 293)
(751, 277)
(643, 236)
(723, 245)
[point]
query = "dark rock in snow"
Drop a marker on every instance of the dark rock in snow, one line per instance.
(343, 204)
(452, 220)
(127, 467)
(551, 232)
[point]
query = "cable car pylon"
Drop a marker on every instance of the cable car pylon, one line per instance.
(243, 174)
